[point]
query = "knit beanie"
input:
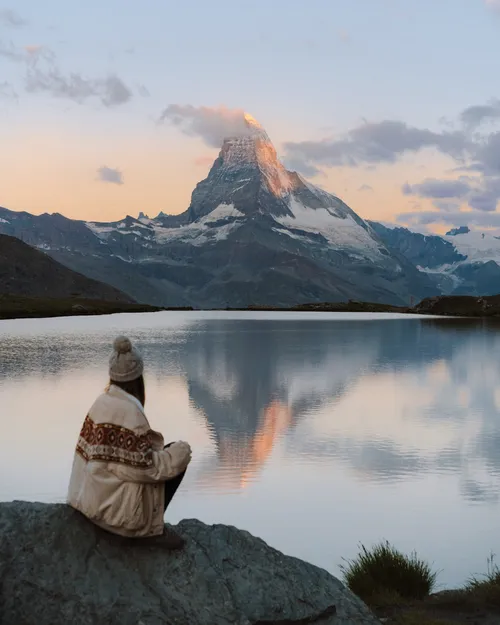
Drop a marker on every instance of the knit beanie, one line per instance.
(125, 363)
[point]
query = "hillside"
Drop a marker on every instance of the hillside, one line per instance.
(28, 272)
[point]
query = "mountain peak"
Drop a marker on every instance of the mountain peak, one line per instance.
(251, 121)
(254, 129)
(244, 155)
(456, 231)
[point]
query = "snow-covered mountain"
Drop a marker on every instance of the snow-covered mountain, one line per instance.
(254, 233)
(247, 181)
(477, 247)
(463, 262)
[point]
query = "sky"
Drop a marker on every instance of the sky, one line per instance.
(117, 107)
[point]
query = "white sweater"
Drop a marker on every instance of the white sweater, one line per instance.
(120, 467)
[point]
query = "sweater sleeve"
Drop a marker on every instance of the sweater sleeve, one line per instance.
(166, 464)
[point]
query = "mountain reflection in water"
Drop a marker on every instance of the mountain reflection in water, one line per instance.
(385, 400)
(354, 427)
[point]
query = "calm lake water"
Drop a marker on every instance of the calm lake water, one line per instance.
(316, 432)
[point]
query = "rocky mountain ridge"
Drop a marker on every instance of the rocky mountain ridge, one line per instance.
(254, 234)
(462, 262)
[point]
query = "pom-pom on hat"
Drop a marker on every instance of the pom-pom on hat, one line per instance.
(125, 363)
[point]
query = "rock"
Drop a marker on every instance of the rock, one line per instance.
(57, 568)
(460, 306)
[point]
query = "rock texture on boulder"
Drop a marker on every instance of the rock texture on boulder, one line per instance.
(57, 568)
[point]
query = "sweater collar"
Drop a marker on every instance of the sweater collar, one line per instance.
(116, 391)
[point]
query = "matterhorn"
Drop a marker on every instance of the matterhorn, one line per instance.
(253, 234)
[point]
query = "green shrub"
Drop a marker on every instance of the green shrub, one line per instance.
(487, 588)
(383, 575)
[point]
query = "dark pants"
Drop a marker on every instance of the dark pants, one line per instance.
(172, 485)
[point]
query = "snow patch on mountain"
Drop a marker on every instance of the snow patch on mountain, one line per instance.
(444, 270)
(477, 246)
(101, 230)
(292, 235)
(342, 232)
(205, 229)
(223, 211)
(216, 226)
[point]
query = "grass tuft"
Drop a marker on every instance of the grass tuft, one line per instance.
(384, 575)
(487, 587)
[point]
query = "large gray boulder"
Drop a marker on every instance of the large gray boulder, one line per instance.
(57, 568)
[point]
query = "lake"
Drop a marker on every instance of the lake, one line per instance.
(316, 432)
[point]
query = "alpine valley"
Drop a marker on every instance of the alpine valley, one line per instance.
(257, 234)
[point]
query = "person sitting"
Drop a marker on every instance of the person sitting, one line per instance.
(123, 476)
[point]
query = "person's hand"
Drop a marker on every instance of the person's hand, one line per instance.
(186, 447)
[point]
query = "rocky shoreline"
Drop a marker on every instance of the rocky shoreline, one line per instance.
(445, 305)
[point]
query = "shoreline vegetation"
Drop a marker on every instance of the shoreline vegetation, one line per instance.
(18, 307)
(401, 590)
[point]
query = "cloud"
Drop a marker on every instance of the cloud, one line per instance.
(438, 189)
(386, 142)
(38, 50)
(108, 174)
(42, 75)
(375, 143)
(143, 91)
(447, 205)
(11, 18)
(211, 124)
(487, 155)
(455, 218)
(7, 91)
(11, 53)
(474, 116)
(296, 164)
(365, 187)
(473, 148)
(29, 54)
(483, 202)
(111, 91)
(487, 197)
(481, 194)
(483, 199)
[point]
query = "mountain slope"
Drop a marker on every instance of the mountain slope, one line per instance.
(254, 233)
(28, 272)
(463, 262)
